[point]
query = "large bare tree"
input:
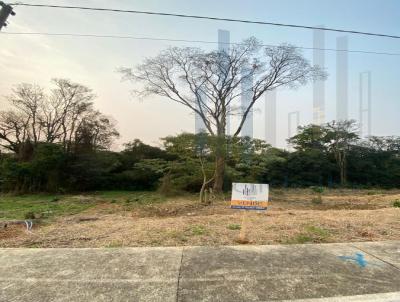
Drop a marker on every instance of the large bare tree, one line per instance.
(60, 116)
(209, 82)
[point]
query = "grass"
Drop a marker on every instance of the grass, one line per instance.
(198, 230)
(114, 244)
(234, 227)
(151, 219)
(128, 197)
(48, 206)
(311, 234)
(45, 206)
(177, 235)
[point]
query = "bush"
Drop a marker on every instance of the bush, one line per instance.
(396, 204)
(318, 190)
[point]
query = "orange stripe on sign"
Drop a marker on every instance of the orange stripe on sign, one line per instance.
(249, 203)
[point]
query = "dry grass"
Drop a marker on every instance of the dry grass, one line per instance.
(343, 216)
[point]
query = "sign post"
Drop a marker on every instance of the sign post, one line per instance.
(248, 197)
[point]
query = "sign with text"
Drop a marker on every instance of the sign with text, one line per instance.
(247, 196)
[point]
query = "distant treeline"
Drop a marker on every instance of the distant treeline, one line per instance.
(58, 142)
(176, 166)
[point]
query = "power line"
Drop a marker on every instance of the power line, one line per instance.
(187, 41)
(208, 18)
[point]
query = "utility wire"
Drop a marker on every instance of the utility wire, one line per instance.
(207, 18)
(188, 41)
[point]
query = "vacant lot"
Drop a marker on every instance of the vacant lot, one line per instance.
(116, 219)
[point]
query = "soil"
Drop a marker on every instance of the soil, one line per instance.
(294, 216)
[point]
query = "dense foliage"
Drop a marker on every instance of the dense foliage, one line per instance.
(58, 142)
(176, 166)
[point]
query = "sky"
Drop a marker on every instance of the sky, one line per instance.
(94, 61)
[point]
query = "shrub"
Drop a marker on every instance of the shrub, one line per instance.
(396, 203)
(318, 190)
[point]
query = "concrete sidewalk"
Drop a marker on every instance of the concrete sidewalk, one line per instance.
(365, 271)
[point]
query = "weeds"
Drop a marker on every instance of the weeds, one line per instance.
(114, 244)
(317, 200)
(234, 227)
(311, 234)
(198, 230)
(318, 190)
(178, 235)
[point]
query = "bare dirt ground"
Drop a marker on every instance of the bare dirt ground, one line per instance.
(343, 216)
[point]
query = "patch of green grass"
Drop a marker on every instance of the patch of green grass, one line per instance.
(317, 231)
(300, 239)
(396, 204)
(318, 190)
(312, 234)
(43, 206)
(134, 198)
(33, 245)
(198, 230)
(46, 206)
(179, 235)
(114, 244)
(55, 199)
(234, 227)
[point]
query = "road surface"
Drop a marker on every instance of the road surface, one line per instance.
(320, 272)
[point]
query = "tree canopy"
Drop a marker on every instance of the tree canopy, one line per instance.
(210, 83)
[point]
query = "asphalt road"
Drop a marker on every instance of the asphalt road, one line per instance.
(327, 272)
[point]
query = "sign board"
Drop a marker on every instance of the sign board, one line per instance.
(247, 196)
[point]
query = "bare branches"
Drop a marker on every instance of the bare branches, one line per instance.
(209, 83)
(53, 118)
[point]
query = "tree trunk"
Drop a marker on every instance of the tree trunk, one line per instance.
(342, 180)
(344, 171)
(220, 156)
(219, 172)
(203, 191)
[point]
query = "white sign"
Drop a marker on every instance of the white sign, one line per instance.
(248, 196)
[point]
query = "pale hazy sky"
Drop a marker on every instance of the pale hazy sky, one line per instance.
(93, 62)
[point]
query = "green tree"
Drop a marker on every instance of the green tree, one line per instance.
(310, 137)
(196, 152)
(340, 137)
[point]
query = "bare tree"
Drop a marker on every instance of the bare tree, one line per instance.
(13, 130)
(209, 83)
(95, 132)
(67, 105)
(57, 117)
(28, 99)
